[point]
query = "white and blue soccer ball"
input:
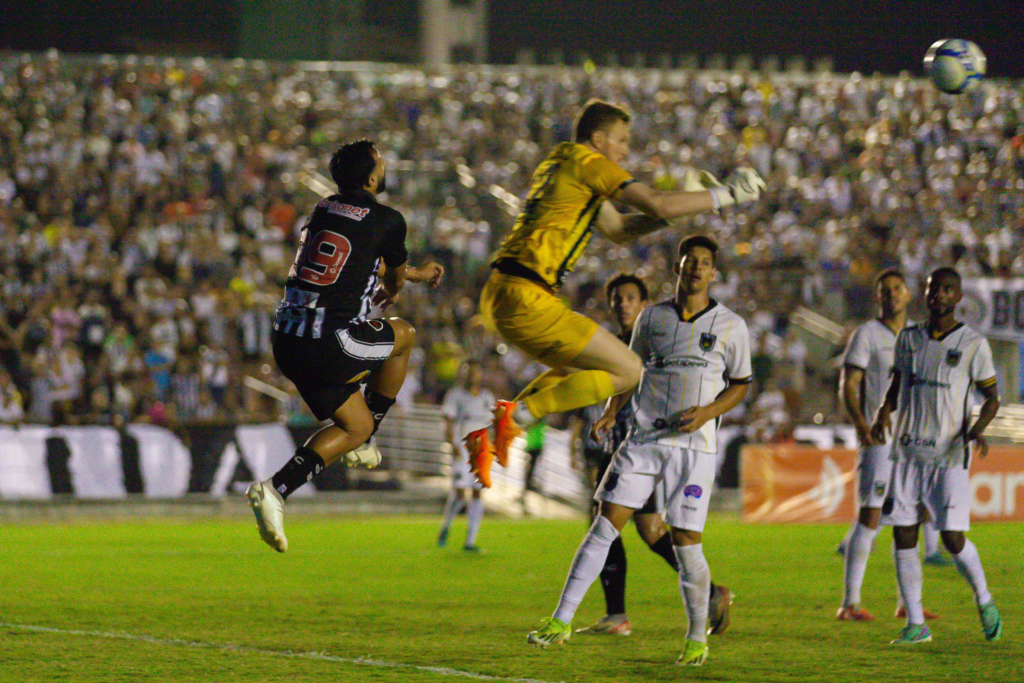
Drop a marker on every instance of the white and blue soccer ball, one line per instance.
(954, 65)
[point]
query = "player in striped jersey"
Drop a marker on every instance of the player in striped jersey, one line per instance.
(323, 341)
(937, 367)
(864, 380)
(696, 367)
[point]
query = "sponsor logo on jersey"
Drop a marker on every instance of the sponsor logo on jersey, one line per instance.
(356, 213)
(953, 357)
(915, 381)
(911, 440)
(707, 341)
(660, 362)
(693, 490)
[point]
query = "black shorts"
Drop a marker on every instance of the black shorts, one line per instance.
(327, 371)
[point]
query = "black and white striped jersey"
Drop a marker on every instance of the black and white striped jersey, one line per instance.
(334, 276)
(687, 363)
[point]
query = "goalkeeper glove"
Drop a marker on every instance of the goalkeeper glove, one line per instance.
(744, 186)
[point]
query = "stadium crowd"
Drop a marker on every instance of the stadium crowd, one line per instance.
(149, 210)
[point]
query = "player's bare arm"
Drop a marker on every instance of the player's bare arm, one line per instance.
(430, 273)
(622, 228)
(851, 380)
(695, 417)
(988, 411)
(883, 419)
(607, 419)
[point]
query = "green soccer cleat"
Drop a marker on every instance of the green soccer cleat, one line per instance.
(913, 634)
(991, 623)
(553, 631)
(694, 653)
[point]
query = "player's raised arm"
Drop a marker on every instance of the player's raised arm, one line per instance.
(657, 208)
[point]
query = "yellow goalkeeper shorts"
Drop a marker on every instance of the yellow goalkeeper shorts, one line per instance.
(533, 319)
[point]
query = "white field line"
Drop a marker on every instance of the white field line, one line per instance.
(319, 656)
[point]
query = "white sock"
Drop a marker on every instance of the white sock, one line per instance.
(452, 507)
(475, 514)
(969, 564)
(858, 549)
(695, 587)
(908, 574)
(931, 538)
(845, 543)
(586, 567)
(899, 594)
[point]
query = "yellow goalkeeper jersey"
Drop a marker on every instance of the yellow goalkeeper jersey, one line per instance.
(555, 225)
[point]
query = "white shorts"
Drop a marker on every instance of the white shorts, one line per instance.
(462, 476)
(944, 491)
(680, 479)
(874, 472)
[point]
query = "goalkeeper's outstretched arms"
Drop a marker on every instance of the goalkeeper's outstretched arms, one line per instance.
(701, 192)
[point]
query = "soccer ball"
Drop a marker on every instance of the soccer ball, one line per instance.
(954, 65)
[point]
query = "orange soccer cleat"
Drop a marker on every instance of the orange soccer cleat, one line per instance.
(856, 613)
(481, 455)
(505, 430)
(901, 613)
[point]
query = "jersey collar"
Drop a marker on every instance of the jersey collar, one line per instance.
(679, 311)
(932, 337)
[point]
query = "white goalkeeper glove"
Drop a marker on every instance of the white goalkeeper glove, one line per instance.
(696, 181)
(744, 186)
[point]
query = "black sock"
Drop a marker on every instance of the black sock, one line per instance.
(663, 546)
(303, 466)
(613, 578)
(379, 406)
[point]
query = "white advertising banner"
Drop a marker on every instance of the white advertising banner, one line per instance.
(994, 307)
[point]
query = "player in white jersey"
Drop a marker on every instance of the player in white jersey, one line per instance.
(696, 367)
(864, 380)
(465, 408)
(937, 367)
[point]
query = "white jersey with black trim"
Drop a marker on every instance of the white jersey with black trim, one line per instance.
(871, 349)
(687, 363)
(937, 383)
(467, 411)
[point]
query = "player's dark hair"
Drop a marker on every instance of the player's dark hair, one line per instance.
(688, 243)
(890, 272)
(620, 279)
(596, 115)
(946, 271)
(352, 164)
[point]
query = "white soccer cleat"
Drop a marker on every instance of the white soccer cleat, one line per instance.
(367, 454)
(268, 506)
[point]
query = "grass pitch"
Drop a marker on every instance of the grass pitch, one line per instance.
(374, 599)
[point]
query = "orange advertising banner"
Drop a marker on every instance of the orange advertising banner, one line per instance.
(798, 483)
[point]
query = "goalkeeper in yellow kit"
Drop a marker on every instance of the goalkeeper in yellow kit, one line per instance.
(568, 201)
